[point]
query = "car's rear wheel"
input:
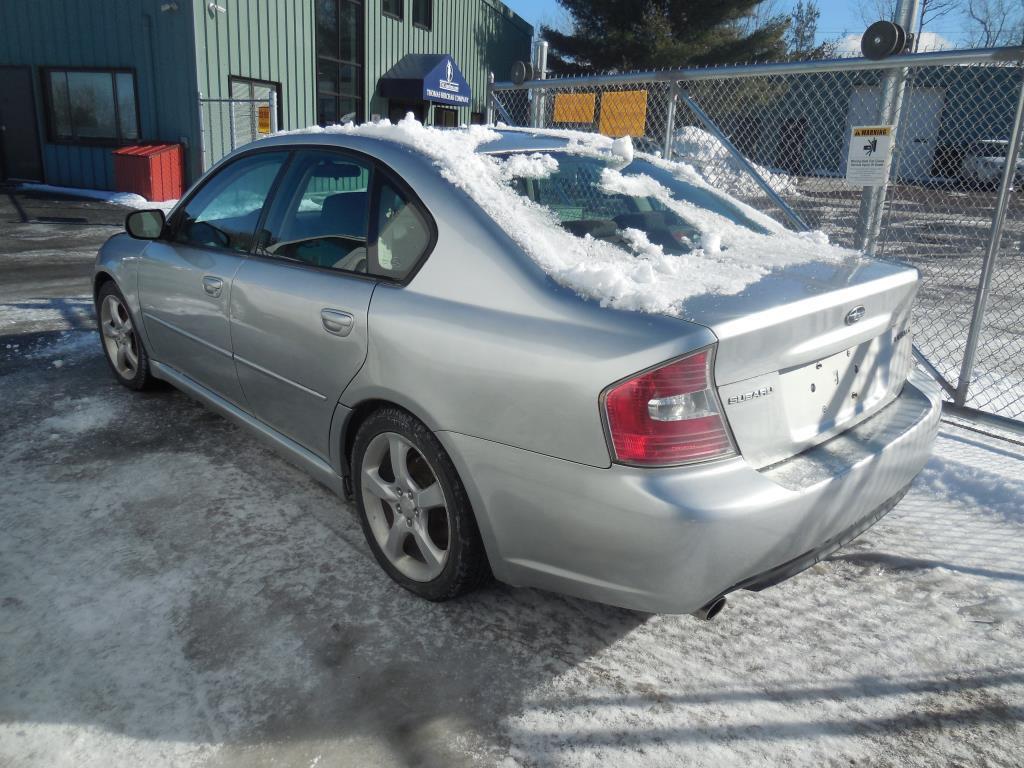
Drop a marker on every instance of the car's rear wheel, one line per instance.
(122, 345)
(413, 508)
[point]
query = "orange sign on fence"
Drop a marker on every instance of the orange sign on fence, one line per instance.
(574, 108)
(623, 113)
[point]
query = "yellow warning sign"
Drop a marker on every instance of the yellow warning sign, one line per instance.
(623, 113)
(869, 155)
(263, 119)
(574, 107)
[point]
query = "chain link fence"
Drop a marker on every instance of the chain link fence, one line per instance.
(777, 136)
(226, 124)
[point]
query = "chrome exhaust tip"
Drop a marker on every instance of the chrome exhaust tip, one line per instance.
(712, 609)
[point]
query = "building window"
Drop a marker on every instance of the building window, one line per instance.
(91, 106)
(339, 61)
(393, 8)
(423, 13)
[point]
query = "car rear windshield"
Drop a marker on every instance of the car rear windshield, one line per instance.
(584, 207)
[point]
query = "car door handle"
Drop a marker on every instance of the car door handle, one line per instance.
(337, 322)
(213, 286)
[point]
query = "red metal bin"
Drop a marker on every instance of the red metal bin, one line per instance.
(154, 171)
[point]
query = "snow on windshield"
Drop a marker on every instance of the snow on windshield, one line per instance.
(631, 273)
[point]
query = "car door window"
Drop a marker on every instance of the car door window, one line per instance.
(403, 233)
(321, 213)
(225, 211)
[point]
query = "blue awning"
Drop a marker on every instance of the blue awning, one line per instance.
(426, 77)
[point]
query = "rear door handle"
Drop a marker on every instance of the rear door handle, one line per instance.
(213, 286)
(337, 322)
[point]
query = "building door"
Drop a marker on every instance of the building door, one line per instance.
(19, 140)
(446, 117)
(397, 110)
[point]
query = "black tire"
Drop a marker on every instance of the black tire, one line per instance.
(466, 567)
(140, 377)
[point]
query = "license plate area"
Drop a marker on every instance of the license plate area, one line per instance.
(829, 392)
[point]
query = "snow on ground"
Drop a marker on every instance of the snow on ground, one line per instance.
(721, 169)
(172, 594)
(648, 280)
(126, 199)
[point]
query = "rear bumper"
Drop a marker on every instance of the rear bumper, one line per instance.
(670, 540)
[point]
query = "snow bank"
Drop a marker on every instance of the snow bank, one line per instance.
(717, 165)
(127, 199)
(642, 278)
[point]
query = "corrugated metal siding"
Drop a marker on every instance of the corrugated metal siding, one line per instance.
(271, 40)
(482, 36)
(105, 33)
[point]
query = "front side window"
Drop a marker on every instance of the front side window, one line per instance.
(321, 213)
(423, 13)
(91, 106)
(393, 8)
(225, 211)
(403, 234)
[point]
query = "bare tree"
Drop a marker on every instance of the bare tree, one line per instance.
(931, 10)
(995, 22)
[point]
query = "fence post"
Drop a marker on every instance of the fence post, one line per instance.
(988, 268)
(540, 72)
(670, 120)
(202, 135)
(489, 108)
(894, 81)
(273, 111)
(231, 124)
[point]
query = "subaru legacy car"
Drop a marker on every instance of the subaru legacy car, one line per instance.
(529, 356)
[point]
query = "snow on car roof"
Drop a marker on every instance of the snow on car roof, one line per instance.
(637, 275)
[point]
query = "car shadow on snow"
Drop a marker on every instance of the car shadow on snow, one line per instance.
(164, 577)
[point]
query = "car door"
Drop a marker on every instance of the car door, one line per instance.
(185, 278)
(299, 304)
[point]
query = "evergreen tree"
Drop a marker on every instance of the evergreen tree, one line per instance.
(619, 35)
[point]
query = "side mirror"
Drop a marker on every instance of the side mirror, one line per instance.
(145, 225)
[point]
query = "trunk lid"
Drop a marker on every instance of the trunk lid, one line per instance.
(809, 351)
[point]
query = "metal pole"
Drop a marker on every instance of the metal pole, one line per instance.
(670, 121)
(489, 117)
(872, 201)
(231, 124)
(715, 131)
(992, 253)
(540, 69)
(1008, 54)
(273, 111)
(202, 136)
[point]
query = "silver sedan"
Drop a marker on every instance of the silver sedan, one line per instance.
(349, 303)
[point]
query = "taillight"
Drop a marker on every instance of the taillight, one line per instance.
(668, 415)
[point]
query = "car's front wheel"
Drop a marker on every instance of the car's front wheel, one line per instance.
(122, 345)
(413, 508)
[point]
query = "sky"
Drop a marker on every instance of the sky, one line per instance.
(839, 19)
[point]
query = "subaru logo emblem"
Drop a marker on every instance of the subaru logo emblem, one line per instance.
(855, 314)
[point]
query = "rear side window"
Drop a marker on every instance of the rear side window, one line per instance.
(225, 211)
(321, 213)
(403, 233)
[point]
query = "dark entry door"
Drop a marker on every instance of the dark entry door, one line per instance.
(19, 140)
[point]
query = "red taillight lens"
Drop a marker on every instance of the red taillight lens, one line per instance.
(669, 415)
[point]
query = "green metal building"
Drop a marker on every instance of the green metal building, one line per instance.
(80, 78)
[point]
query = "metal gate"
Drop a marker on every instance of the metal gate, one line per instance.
(776, 136)
(226, 124)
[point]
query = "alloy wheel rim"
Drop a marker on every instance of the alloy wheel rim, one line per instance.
(119, 339)
(405, 507)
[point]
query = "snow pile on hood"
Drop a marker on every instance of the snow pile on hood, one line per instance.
(719, 168)
(642, 278)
